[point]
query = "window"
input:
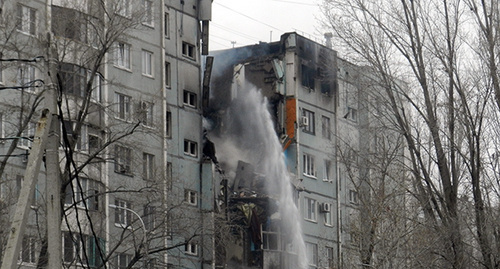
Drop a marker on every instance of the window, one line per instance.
(308, 121)
(26, 76)
(190, 148)
(326, 175)
(191, 197)
(166, 25)
(308, 167)
(352, 114)
(353, 196)
(168, 124)
(189, 99)
(308, 75)
(326, 208)
(78, 248)
(330, 258)
(148, 12)
(169, 176)
(88, 190)
(123, 159)
(191, 249)
(26, 19)
(123, 217)
(27, 136)
(147, 63)
(312, 254)
(68, 24)
(271, 236)
(28, 250)
(124, 8)
(145, 113)
(96, 87)
(151, 264)
(148, 166)
(122, 55)
(123, 260)
(325, 127)
(188, 50)
(74, 81)
(167, 74)
(122, 106)
(310, 209)
(71, 247)
(94, 143)
(149, 218)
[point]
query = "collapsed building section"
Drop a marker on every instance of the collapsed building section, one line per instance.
(298, 78)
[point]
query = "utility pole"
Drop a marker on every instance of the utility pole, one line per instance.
(53, 185)
(25, 199)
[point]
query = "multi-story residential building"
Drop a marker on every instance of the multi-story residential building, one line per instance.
(127, 82)
(321, 108)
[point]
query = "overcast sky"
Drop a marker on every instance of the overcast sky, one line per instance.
(250, 21)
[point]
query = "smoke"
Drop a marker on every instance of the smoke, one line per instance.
(247, 133)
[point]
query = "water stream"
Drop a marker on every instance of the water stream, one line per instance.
(250, 136)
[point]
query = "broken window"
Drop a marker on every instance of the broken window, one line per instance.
(271, 236)
(308, 76)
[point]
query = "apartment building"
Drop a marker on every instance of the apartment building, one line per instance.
(127, 82)
(322, 111)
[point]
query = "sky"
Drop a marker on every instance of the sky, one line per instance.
(247, 22)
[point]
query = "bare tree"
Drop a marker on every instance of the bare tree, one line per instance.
(441, 109)
(82, 39)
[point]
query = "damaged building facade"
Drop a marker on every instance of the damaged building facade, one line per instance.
(318, 113)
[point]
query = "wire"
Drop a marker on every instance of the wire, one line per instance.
(31, 84)
(296, 3)
(34, 60)
(235, 32)
(246, 16)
